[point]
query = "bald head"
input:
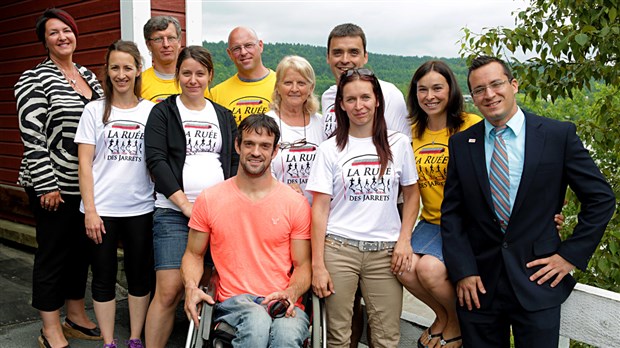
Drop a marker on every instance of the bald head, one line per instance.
(243, 32)
(245, 50)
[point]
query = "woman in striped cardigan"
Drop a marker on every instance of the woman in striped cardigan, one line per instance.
(50, 100)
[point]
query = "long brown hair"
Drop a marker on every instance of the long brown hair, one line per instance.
(454, 108)
(131, 49)
(379, 127)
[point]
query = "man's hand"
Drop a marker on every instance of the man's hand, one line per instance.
(322, 284)
(402, 257)
(554, 265)
(467, 291)
(193, 302)
(282, 295)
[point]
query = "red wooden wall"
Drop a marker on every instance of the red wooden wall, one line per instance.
(99, 25)
(170, 8)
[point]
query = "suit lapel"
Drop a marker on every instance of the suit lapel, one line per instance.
(476, 150)
(534, 142)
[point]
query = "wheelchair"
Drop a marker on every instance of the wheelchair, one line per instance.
(209, 334)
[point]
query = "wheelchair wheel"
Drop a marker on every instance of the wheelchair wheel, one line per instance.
(319, 327)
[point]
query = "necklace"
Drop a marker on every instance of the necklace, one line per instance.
(435, 135)
(72, 80)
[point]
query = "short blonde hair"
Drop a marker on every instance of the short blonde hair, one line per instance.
(303, 67)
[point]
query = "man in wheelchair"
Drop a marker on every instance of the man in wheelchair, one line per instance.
(257, 229)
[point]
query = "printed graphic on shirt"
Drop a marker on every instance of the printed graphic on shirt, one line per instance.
(363, 183)
(432, 164)
(329, 120)
(296, 163)
(125, 140)
(201, 137)
(248, 105)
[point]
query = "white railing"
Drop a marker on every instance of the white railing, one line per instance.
(590, 315)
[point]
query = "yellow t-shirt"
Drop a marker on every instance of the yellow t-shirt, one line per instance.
(431, 157)
(245, 98)
(156, 89)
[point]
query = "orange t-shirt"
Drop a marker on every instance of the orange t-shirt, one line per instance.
(251, 241)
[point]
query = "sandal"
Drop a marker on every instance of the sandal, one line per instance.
(429, 336)
(445, 342)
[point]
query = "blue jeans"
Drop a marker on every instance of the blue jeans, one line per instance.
(426, 240)
(255, 328)
(170, 232)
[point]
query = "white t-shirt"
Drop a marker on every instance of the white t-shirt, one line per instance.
(202, 167)
(363, 205)
(122, 185)
(395, 109)
(292, 165)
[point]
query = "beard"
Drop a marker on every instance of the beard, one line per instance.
(253, 170)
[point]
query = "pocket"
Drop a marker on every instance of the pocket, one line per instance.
(546, 247)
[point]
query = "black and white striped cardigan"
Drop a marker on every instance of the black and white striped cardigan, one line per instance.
(49, 110)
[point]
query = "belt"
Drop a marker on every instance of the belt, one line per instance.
(362, 245)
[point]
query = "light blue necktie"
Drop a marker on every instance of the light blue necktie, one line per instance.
(499, 176)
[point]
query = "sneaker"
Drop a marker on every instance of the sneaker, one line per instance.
(135, 343)
(110, 345)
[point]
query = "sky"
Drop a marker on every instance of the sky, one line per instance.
(408, 28)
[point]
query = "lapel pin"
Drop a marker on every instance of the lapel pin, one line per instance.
(471, 140)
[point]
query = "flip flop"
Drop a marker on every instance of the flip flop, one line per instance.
(429, 335)
(445, 342)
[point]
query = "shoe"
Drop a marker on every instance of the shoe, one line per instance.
(429, 336)
(43, 343)
(444, 342)
(135, 343)
(110, 345)
(72, 329)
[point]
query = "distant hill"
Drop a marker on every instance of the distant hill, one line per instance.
(392, 68)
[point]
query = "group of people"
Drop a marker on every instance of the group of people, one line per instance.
(249, 177)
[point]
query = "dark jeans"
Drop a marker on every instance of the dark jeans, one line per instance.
(63, 255)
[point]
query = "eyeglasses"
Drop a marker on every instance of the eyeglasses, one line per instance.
(160, 39)
(359, 71)
(495, 86)
(250, 46)
(294, 144)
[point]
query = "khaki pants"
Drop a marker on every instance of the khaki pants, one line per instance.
(382, 294)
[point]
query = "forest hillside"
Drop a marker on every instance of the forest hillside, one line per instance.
(392, 68)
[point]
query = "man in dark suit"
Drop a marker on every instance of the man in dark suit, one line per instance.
(507, 177)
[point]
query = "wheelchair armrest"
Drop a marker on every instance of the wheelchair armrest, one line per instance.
(207, 309)
(195, 335)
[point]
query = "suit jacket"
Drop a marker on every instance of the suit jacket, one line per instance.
(473, 242)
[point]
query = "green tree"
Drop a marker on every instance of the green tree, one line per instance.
(572, 73)
(395, 69)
